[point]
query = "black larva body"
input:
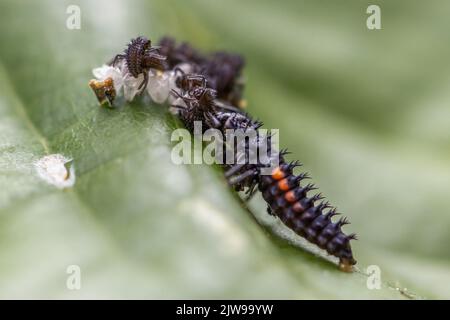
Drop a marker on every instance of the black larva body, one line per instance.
(288, 200)
(282, 191)
(286, 196)
(305, 215)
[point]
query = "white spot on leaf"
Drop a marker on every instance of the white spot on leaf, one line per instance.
(57, 170)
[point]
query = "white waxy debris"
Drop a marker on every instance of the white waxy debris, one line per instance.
(158, 86)
(57, 170)
(131, 85)
(115, 73)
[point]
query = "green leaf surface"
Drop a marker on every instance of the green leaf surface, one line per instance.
(366, 111)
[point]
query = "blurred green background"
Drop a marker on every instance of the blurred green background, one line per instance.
(366, 111)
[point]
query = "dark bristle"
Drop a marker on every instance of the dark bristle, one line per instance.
(343, 221)
(352, 236)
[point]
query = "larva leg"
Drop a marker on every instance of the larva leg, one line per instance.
(178, 69)
(211, 120)
(270, 211)
(239, 178)
(144, 82)
(117, 58)
(251, 192)
(233, 170)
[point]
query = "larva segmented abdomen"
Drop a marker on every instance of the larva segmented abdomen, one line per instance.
(289, 201)
(134, 53)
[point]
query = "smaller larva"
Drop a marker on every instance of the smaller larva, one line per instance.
(140, 56)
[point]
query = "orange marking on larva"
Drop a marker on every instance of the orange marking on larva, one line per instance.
(297, 207)
(290, 196)
(283, 185)
(277, 174)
